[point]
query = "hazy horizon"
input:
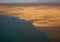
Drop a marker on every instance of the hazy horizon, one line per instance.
(29, 1)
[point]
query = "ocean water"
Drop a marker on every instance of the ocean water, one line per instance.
(13, 29)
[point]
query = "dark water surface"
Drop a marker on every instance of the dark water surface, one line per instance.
(13, 29)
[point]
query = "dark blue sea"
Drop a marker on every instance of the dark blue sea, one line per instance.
(13, 29)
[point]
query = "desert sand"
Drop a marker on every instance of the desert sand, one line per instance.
(40, 15)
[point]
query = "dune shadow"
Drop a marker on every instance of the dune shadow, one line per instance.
(13, 29)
